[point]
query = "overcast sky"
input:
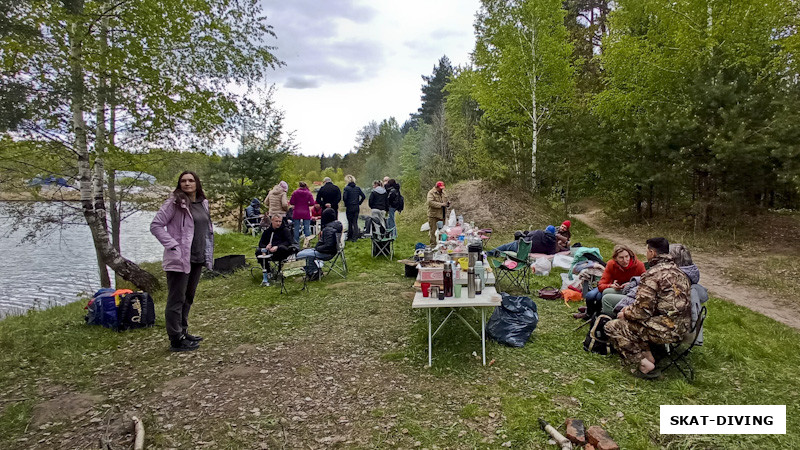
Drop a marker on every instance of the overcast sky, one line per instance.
(349, 62)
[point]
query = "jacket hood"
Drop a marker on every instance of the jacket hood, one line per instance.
(380, 190)
(692, 272)
(351, 184)
(328, 216)
(254, 202)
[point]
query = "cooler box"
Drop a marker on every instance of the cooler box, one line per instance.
(431, 274)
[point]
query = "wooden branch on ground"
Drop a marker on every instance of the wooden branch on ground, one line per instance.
(138, 428)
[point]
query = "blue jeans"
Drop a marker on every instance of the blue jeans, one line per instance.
(306, 228)
(594, 302)
(311, 255)
(510, 247)
(390, 220)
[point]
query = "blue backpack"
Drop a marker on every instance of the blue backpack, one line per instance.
(102, 309)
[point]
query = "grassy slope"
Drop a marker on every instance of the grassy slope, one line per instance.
(363, 335)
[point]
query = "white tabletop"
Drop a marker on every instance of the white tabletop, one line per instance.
(488, 297)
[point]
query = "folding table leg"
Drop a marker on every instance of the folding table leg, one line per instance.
(430, 347)
(483, 333)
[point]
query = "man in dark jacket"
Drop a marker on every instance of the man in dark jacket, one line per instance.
(276, 244)
(353, 197)
(327, 247)
(329, 195)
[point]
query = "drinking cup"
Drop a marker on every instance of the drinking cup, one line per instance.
(425, 289)
(457, 290)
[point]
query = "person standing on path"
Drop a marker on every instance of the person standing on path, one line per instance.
(302, 200)
(183, 226)
(353, 197)
(329, 195)
(437, 206)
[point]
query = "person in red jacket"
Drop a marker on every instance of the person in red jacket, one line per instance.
(623, 266)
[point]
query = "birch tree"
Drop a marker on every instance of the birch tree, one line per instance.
(522, 56)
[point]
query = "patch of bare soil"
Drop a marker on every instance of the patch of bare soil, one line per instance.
(492, 206)
(63, 408)
(713, 269)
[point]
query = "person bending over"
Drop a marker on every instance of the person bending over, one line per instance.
(660, 314)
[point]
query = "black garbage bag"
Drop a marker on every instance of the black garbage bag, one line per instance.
(513, 321)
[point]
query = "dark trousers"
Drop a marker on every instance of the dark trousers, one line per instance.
(181, 288)
(352, 223)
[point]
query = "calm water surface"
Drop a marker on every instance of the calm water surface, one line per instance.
(58, 268)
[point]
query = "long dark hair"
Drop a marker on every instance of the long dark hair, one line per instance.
(181, 196)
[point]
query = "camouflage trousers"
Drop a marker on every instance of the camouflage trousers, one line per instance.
(631, 339)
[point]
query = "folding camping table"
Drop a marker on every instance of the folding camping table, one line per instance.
(489, 298)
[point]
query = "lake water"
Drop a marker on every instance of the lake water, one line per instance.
(58, 268)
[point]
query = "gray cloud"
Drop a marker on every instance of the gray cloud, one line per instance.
(301, 83)
(308, 42)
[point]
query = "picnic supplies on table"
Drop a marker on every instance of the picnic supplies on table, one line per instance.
(549, 293)
(596, 339)
(513, 321)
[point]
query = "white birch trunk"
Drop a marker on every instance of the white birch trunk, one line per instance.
(122, 266)
(534, 115)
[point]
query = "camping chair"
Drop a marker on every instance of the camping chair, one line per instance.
(383, 240)
(338, 264)
(678, 353)
(520, 274)
(252, 225)
(276, 272)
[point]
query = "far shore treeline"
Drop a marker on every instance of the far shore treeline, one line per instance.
(678, 109)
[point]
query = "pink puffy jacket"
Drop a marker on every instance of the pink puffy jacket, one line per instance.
(173, 226)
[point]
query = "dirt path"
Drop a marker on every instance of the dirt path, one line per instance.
(713, 279)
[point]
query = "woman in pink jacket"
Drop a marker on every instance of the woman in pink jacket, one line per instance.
(302, 200)
(183, 226)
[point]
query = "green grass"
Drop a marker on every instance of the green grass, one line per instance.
(362, 335)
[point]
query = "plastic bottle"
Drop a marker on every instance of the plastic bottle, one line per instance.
(448, 280)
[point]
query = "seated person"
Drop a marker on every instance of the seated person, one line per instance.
(563, 236)
(327, 247)
(542, 241)
(660, 314)
(277, 243)
(253, 213)
(683, 259)
(618, 272)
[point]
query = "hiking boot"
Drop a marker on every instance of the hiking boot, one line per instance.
(183, 345)
(581, 315)
(190, 337)
(582, 309)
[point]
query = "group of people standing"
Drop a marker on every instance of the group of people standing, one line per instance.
(183, 226)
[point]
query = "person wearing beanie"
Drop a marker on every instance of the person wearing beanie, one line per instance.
(437, 208)
(542, 241)
(563, 235)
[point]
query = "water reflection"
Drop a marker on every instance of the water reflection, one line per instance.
(57, 268)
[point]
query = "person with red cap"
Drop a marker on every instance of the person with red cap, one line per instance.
(563, 236)
(437, 205)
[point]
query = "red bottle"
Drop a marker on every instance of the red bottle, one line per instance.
(448, 280)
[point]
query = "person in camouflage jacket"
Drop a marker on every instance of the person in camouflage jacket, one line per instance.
(661, 313)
